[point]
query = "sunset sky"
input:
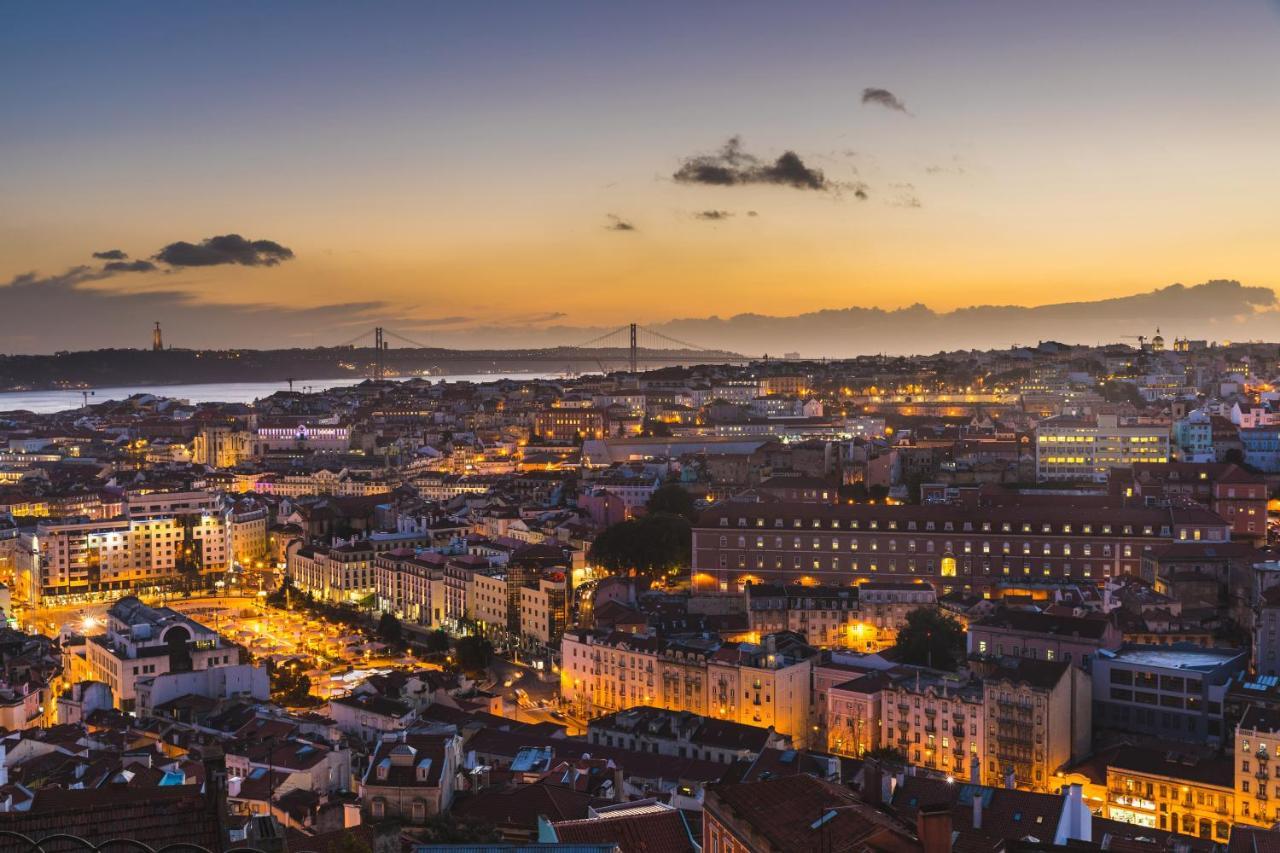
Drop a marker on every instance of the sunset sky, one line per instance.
(455, 169)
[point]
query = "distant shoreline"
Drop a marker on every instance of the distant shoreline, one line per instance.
(92, 369)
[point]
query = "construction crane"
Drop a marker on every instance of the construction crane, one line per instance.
(1141, 339)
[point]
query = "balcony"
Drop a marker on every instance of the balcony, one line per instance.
(1261, 773)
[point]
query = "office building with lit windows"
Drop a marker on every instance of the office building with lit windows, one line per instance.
(1075, 449)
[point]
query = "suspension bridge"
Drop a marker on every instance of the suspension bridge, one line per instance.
(638, 344)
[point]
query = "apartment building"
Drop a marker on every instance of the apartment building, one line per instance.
(764, 684)
(935, 720)
(1238, 495)
(681, 734)
(411, 777)
(246, 526)
(341, 573)
(1038, 718)
(854, 714)
(544, 609)
(570, 424)
(827, 617)
(1043, 636)
(952, 547)
(1073, 449)
(487, 600)
(865, 617)
(1256, 780)
(421, 587)
(884, 606)
(1182, 793)
(142, 642)
(68, 559)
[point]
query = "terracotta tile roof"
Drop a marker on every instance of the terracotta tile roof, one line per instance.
(801, 813)
(660, 831)
(154, 816)
(523, 805)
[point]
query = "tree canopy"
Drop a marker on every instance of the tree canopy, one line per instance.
(674, 499)
(473, 653)
(651, 545)
(930, 638)
(290, 684)
(390, 629)
(437, 641)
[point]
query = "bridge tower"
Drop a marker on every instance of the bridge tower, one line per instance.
(377, 361)
(157, 340)
(633, 349)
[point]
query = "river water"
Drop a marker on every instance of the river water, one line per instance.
(209, 392)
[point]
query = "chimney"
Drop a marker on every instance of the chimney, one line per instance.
(975, 770)
(977, 808)
(1077, 821)
(933, 828)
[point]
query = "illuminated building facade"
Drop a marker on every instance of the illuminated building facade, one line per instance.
(741, 542)
(1076, 449)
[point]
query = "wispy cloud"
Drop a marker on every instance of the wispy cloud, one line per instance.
(617, 223)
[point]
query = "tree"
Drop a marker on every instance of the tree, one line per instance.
(654, 429)
(887, 755)
(930, 638)
(437, 641)
(652, 545)
(390, 630)
(1114, 391)
(674, 499)
(474, 653)
(290, 684)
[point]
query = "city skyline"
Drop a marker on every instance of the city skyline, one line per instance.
(470, 177)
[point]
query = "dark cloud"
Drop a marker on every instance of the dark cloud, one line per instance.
(129, 266)
(715, 215)
(111, 255)
(732, 166)
(883, 98)
(860, 192)
(752, 213)
(225, 249)
(617, 223)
